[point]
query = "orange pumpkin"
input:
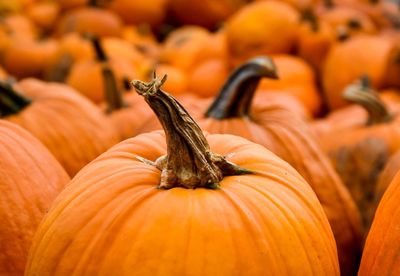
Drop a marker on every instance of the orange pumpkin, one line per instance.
(92, 85)
(29, 58)
(30, 179)
(117, 192)
(44, 14)
(140, 11)
(92, 20)
(262, 27)
(283, 132)
(361, 55)
(380, 256)
(72, 128)
(297, 78)
(359, 153)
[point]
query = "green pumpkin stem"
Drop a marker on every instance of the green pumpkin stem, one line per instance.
(11, 102)
(235, 97)
(362, 94)
(189, 163)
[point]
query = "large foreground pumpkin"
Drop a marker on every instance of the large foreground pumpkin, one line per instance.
(252, 215)
(30, 179)
(381, 253)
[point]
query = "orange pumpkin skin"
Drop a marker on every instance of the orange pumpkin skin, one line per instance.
(186, 47)
(177, 79)
(72, 128)
(118, 193)
(96, 21)
(140, 11)
(208, 77)
(92, 85)
(28, 58)
(30, 179)
(361, 55)
(297, 78)
(260, 28)
(380, 256)
(44, 14)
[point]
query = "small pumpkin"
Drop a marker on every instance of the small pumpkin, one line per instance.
(209, 199)
(70, 126)
(30, 179)
(261, 28)
(359, 153)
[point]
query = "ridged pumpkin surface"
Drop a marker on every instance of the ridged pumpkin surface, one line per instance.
(30, 179)
(381, 252)
(111, 219)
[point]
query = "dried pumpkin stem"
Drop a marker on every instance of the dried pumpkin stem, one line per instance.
(11, 102)
(113, 95)
(235, 97)
(189, 163)
(362, 94)
(309, 16)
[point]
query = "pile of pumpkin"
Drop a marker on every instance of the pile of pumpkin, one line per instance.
(175, 137)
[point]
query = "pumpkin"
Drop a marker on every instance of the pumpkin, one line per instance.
(207, 77)
(30, 178)
(92, 20)
(177, 79)
(92, 85)
(143, 40)
(262, 27)
(359, 153)
(247, 213)
(387, 175)
(44, 14)
(71, 127)
(315, 39)
(380, 255)
(361, 55)
(297, 78)
(140, 11)
(283, 132)
(206, 13)
(28, 58)
(186, 47)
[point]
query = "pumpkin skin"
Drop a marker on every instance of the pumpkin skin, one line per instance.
(44, 14)
(271, 27)
(72, 128)
(288, 136)
(122, 199)
(360, 152)
(297, 78)
(30, 179)
(360, 55)
(28, 58)
(96, 21)
(380, 256)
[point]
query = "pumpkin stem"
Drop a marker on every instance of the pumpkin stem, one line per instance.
(11, 102)
(189, 163)
(235, 98)
(362, 94)
(309, 16)
(329, 4)
(113, 95)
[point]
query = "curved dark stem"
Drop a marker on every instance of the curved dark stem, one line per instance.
(235, 97)
(100, 53)
(362, 94)
(11, 102)
(189, 163)
(113, 95)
